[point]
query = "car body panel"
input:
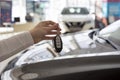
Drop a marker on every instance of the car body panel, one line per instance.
(79, 64)
(76, 18)
(95, 55)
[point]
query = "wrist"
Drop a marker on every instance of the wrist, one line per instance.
(34, 36)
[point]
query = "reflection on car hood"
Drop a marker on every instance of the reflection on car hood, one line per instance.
(112, 32)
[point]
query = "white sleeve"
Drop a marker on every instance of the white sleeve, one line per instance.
(15, 44)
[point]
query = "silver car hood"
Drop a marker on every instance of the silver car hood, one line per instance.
(61, 67)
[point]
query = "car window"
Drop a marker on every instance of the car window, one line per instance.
(75, 10)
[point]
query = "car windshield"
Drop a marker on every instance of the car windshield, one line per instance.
(75, 10)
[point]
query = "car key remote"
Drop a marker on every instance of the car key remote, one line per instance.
(58, 44)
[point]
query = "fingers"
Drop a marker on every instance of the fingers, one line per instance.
(57, 27)
(49, 37)
(53, 30)
(49, 22)
(54, 27)
(53, 33)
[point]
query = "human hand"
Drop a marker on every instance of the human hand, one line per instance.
(43, 30)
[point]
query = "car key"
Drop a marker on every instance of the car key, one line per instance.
(58, 44)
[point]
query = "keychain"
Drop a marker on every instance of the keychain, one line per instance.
(58, 44)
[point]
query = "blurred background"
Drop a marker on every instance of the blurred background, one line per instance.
(20, 15)
(73, 16)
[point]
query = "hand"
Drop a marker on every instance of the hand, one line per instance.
(43, 30)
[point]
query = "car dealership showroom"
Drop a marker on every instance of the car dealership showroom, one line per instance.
(59, 39)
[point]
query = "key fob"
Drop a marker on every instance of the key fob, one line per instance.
(58, 44)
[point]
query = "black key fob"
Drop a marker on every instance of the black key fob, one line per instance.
(58, 44)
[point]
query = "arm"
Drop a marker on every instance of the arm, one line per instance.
(15, 44)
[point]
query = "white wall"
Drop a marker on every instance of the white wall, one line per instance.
(83, 3)
(54, 9)
(19, 9)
